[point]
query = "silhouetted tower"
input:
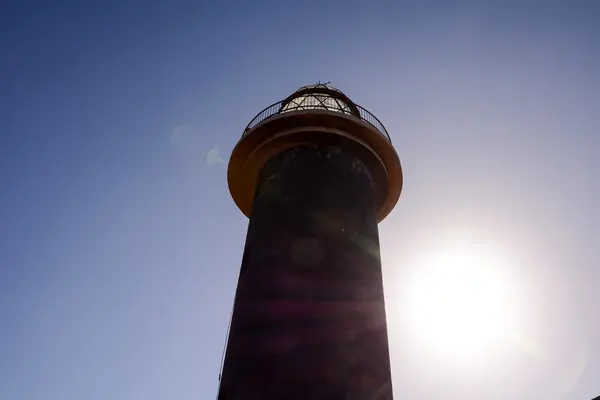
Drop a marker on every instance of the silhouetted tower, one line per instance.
(315, 173)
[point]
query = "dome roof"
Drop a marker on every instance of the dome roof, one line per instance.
(320, 85)
(319, 96)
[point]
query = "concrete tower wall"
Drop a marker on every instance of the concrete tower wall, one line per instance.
(309, 317)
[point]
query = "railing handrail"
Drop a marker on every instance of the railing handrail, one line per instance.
(378, 125)
(275, 109)
(254, 121)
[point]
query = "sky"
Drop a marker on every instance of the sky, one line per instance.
(120, 245)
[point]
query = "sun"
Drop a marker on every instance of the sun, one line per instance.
(460, 304)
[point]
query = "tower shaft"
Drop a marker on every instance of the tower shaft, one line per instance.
(309, 315)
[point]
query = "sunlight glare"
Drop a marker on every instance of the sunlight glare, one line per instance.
(459, 303)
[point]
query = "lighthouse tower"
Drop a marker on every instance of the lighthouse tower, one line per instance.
(314, 173)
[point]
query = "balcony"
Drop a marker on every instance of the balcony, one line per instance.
(317, 100)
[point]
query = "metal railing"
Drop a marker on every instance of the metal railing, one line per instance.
(369, 118)
(275, 109)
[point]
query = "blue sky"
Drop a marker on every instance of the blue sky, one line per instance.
(120, 245)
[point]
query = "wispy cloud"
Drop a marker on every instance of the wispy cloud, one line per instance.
(213, 157)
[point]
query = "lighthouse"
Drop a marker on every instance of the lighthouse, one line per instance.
(314, 173)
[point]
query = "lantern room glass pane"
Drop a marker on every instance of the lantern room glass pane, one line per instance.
(316, 101)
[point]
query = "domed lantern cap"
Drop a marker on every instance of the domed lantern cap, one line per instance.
(319, 96)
